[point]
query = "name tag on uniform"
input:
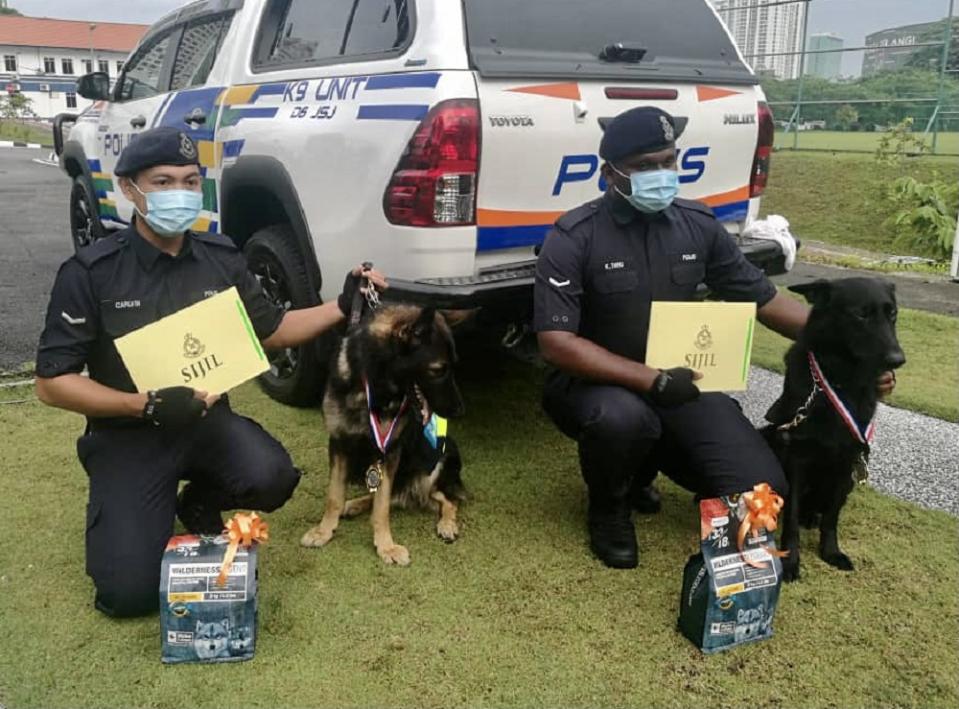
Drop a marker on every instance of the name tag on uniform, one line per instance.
(713, 338)
(210, 346)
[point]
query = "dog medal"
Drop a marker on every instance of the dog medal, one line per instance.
(373, 477)
(860, 471)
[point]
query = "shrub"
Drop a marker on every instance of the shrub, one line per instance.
(925, 216)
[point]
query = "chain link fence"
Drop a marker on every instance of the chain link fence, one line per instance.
(907, 75)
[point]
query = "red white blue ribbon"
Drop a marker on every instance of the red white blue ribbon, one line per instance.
(382, 439)
(863, 434)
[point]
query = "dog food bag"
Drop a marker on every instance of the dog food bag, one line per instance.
(729, 595)
(201, 620)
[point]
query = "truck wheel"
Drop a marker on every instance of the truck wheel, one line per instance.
(296, 374)
(85, 226)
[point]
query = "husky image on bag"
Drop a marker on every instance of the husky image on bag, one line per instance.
(212, 640)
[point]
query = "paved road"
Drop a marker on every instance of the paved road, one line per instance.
(937, 295)
(34, 240)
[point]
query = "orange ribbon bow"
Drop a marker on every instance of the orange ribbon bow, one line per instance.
(762, 508)
(242, 529)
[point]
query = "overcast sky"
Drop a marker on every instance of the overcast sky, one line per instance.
(850, 19)
(854, 19)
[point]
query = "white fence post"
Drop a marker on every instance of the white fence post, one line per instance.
(955, 255)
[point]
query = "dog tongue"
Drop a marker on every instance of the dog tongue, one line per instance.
(425, 412)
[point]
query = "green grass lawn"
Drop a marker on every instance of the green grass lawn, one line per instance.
(947, 144)
(515, 614)
(839, 198)
(25, 132)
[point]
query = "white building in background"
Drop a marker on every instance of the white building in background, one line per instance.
(42, 58)
(765, 32)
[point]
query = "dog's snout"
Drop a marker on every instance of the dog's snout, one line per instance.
(895, 359)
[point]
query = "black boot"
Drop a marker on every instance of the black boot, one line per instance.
(611, 534)
(197, 514)
(645, 499)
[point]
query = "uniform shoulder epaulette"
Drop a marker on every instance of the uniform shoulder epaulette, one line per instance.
(578, 215)
(693, 205)
(215, 239)
(99, 250)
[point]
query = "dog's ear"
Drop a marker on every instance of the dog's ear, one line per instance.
(816, 292)
(455, 318)
(417, 330)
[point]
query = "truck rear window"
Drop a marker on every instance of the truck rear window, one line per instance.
(679, 40)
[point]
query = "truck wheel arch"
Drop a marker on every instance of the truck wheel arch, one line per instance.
(257, 192)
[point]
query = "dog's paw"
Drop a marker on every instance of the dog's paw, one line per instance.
(395, 554)
(448, 530)
(839, 560)
(316, 537)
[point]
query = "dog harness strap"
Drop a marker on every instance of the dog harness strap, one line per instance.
(381, 438)
(863, 434)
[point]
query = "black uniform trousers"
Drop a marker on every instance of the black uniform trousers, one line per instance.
(707, 446)
(134, 472)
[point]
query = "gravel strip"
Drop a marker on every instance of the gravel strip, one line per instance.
(914, 457)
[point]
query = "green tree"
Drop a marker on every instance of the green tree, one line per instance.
(846, 117)
(8, 11)
(15, 107)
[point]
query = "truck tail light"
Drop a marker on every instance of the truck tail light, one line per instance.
(764, 149)
(435, 181)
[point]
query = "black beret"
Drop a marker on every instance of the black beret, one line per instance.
(157, 146)
(639, 130)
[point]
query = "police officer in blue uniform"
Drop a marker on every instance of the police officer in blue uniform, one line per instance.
(599, 270)
(138, 446)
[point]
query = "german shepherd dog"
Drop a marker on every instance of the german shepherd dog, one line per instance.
(405, 356)
(852, 335)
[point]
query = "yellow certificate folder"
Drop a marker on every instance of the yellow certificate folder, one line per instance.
(210, 346)
(713, 338)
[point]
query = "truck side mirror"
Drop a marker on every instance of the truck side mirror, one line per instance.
(95, 86)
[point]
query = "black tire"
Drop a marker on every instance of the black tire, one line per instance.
(297, 374)
(85, 226)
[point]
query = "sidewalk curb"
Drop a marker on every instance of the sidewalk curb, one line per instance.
(20, 144)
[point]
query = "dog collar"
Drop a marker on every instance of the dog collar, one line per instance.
(382, 438)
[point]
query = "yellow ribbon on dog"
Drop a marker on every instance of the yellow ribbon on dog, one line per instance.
(242, 529)
(762, 509)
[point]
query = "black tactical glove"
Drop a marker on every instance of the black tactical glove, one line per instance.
(351, 290)
(173, 407)
(674, 387)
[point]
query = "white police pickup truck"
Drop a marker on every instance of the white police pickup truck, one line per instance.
(438, 138)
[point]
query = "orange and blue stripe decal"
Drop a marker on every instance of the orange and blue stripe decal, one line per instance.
(424, 80)
(508, 229)
(393, 112)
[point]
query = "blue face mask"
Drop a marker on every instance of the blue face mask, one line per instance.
(652, 191)
(171, 212)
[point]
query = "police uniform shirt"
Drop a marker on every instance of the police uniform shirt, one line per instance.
(123, 282)
(604, 263)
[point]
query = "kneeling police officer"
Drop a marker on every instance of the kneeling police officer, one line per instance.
(138, 446)
(600, 269)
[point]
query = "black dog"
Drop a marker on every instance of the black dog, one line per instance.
(395, 368)
(851, 336)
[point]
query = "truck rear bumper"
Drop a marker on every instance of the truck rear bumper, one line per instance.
(508, 289)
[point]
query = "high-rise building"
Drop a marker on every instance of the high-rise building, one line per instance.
(766, 32)
(891, 49)
(828, 63)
